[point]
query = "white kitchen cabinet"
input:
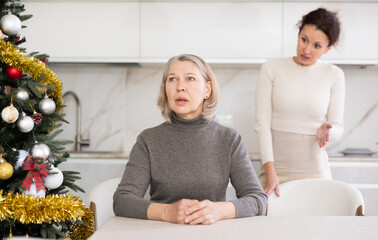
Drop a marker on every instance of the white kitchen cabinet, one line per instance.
(218, 32)
(359, 30)
(83, 32)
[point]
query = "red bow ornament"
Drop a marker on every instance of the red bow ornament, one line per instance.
(35, 170)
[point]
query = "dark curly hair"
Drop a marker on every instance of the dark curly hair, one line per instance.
(324, 20)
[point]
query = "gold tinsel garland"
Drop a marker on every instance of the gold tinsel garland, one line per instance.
(12, 56)
(82, 231)
(53, 208)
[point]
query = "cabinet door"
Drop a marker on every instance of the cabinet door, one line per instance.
(358, 23)
(214, 31)
(78, 31)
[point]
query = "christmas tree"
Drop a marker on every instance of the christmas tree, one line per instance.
(33, 199)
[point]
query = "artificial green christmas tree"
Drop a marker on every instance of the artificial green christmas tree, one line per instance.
(33, 200)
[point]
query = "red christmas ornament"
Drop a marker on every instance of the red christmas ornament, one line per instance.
(44, 60)
(13, 73)
(16, 39)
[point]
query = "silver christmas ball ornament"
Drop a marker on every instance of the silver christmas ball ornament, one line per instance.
(40, 151)
(22, 94)
(47, 106)
(25, 123)
(10, 24)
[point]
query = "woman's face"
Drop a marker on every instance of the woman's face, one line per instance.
(312, 44)
(186, 89)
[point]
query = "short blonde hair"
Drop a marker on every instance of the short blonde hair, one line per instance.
(210, 104)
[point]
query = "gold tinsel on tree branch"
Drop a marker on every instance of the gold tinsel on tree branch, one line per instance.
(81, 231)
(53, 208)
(12, 56)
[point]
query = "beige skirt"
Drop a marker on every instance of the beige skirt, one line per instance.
(297, 156)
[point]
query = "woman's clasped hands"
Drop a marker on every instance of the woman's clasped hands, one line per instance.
(188, 211)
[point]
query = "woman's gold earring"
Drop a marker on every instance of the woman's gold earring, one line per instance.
(206, 97)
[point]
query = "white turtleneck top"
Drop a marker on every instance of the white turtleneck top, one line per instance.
(297, 99)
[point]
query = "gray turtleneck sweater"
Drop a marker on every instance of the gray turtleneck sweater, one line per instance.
(188, 159)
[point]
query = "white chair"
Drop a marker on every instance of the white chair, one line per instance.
(316, 197)
(101, 201)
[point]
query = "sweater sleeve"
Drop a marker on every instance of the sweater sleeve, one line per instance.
(128, 199)
(264, 115)
(335, 112)
(251, 198)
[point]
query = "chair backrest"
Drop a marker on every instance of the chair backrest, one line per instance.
(316, 197)
(101, 200)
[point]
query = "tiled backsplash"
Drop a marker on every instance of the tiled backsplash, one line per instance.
(119, 101)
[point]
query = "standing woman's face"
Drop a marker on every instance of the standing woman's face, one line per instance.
(186, 89)
(312, 44)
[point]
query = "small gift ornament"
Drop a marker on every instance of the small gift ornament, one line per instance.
(36, 168)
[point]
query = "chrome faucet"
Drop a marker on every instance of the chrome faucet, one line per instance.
(79, 141)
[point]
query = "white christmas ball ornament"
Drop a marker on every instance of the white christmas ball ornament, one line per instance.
(33, 191)
(40, 151)
(54, 179)
(10, 114)
(47, 106)
(22, 94)
(22, 154)
(10, 24)
(25, 124)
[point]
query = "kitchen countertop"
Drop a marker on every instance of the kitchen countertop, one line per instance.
(253, 156)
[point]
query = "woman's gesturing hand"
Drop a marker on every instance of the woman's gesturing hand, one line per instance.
(322, 134)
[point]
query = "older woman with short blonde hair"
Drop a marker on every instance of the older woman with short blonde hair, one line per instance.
(189, 160)
(210, 104)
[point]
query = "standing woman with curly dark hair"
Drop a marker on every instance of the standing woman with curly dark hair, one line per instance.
(300, 106)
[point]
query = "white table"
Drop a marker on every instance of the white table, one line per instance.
(266, 228)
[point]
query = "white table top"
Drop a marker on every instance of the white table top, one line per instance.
(311, 228)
